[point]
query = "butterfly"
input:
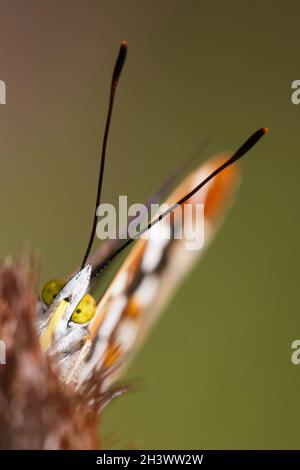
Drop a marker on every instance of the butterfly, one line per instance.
(91, 339)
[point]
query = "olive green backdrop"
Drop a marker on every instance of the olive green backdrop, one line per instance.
(216, 371)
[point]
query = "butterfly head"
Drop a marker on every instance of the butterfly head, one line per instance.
(83, 312)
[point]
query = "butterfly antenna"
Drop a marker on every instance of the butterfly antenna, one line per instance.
(114, 82)
(245, 147)
(105, 250)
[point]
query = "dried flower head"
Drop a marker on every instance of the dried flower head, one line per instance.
(37, 411)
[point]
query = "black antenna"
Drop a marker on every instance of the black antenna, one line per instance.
(104, 252)
(114, 82)
(250, 142)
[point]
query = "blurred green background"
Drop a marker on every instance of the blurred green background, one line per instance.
(216, 371)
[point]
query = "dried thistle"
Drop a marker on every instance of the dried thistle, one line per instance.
(37, 411)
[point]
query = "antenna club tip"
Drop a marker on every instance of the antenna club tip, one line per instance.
(265, 130)
(119, 63)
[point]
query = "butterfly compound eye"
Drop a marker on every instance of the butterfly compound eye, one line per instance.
(51, 289)
(85, 310)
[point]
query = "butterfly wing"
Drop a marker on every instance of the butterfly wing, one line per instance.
(150, 274)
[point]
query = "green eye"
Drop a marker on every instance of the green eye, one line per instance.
(51, 289)
(85, 310)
